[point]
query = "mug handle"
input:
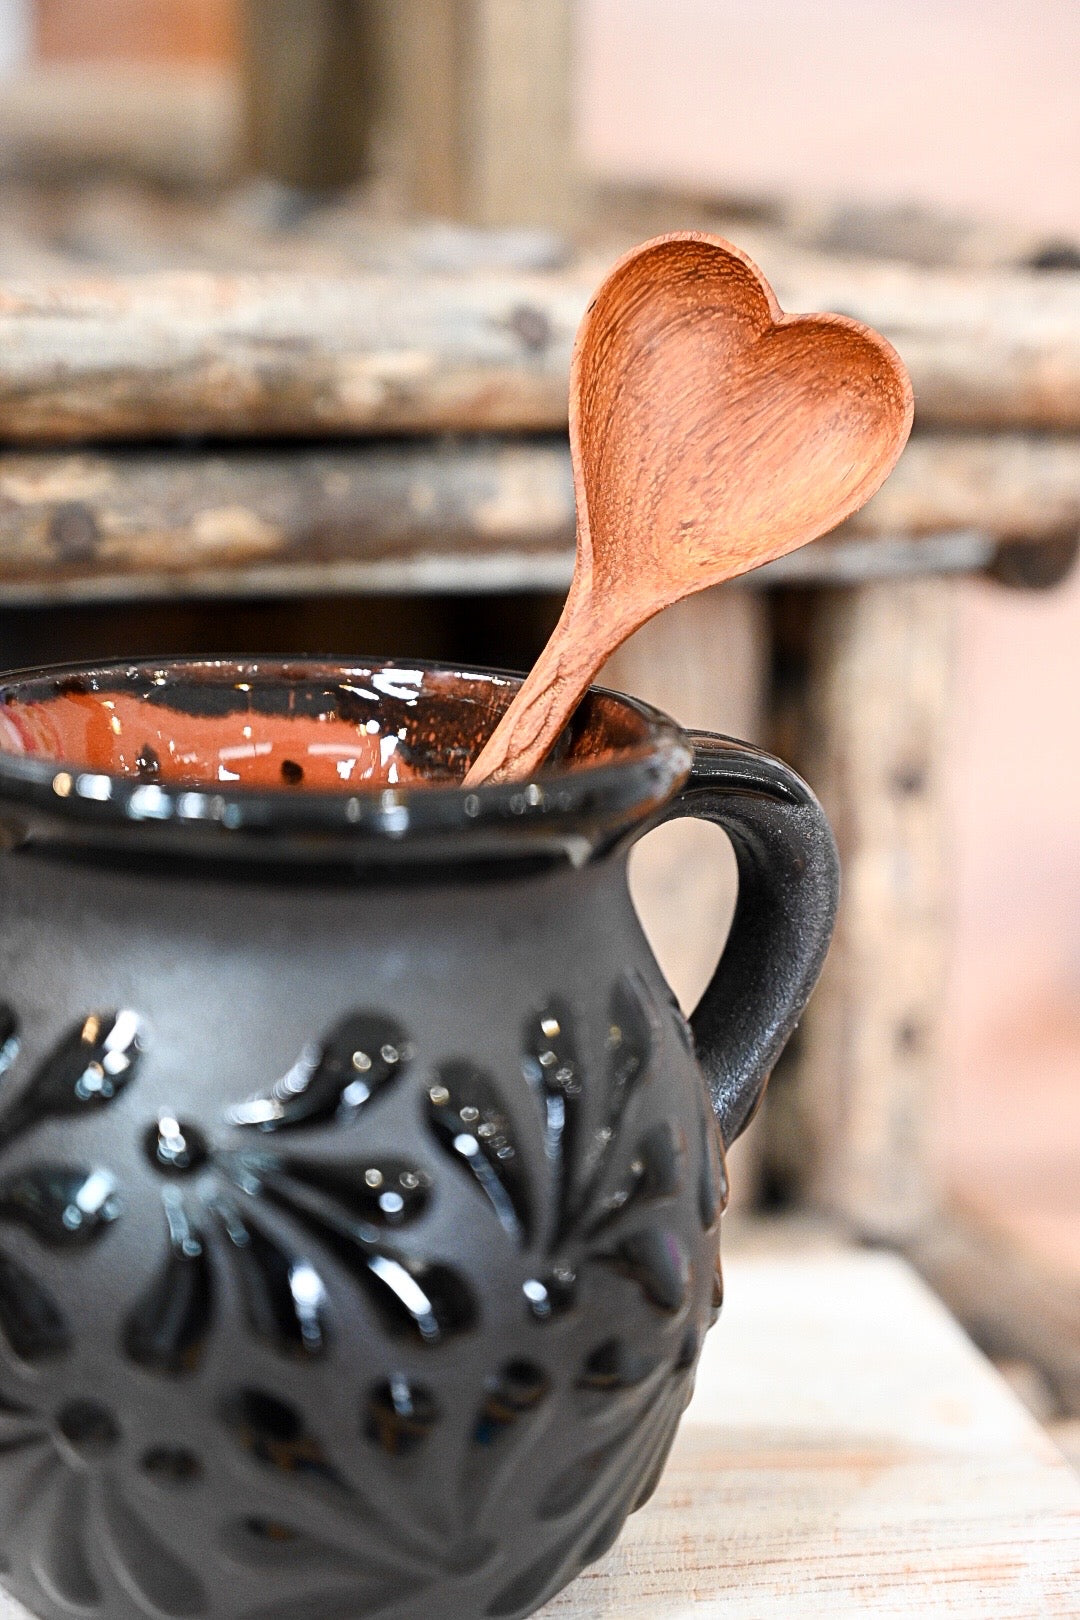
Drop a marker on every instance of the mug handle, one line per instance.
(789, 885)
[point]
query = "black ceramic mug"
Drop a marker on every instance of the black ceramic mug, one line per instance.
(359, 1177)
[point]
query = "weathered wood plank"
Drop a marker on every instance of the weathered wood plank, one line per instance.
(854, 1117)
(481, 110)
(120, 229)
(453, 515)
(1003, 484)
(406, 517)
(183, 126)
(904, 232)
(312, 77)
(161, 355)
(986, 349)
(166, 354)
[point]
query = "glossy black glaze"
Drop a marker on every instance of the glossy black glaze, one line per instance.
(618, 762)
(359, 1216)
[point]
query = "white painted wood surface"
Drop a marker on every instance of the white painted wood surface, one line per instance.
(848, 1453)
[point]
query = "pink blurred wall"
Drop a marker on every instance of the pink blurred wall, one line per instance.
(974, 105)
(959, 102)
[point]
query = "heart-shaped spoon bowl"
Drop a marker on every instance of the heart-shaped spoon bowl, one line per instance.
(717, 431)
(710, 433)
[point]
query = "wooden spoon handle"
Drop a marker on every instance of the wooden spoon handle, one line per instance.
(545, 701)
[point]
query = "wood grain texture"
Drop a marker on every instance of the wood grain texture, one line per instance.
(142, 356)
(460, 515)
(848, 1454)
(417, 516)
(428, 81)
(1003, 484)
(155, 356)
(122, 229)
(903, 232)
(710, 433)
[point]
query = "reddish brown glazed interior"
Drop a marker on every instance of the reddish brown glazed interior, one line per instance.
(319, 727)
(123, 736)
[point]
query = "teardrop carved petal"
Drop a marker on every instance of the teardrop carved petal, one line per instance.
(332, 1081)
(64, 1565)
(415, 1298)
(63, 1206)
(88, 1069)
(473, 1129)
(30, 1319)
(518, 1389)
(284, 1298)
(654, 1173)
(400, 1416)
(276, 1434)
(379, 1194)
(552, 1066)
(168, 1328)
(654, 1259)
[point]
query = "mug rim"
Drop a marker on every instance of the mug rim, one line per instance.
(571, 810)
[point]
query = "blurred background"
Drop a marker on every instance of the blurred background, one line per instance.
(970, 107)
(919, 155)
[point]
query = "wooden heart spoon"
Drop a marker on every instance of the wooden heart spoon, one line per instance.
(710, 433)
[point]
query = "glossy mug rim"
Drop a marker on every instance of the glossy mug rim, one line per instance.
(572, 810)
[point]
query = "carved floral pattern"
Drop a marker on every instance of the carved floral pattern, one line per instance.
(557, 1168)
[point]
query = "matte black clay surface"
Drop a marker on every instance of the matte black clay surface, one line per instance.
(359, 1180)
